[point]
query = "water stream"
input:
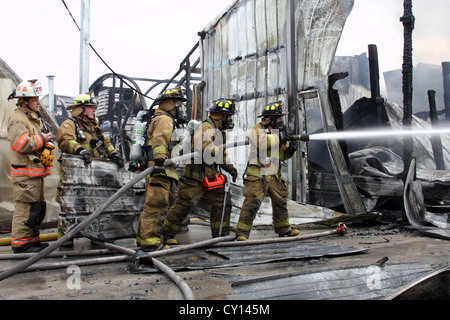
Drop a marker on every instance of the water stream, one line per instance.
(374, 134)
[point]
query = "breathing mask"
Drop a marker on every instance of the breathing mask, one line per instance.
(181, 114)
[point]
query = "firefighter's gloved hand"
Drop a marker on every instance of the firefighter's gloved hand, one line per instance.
(158, 167)
(233, 173)
(117, 159)
(95, 142)
(47, 154)
(282, 133)
(293, 146)
(231, 170)
(86, 155)
(133, 167)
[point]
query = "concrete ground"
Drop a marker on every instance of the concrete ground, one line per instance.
(115, 281)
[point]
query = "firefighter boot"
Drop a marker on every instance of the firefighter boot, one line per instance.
(291, 233)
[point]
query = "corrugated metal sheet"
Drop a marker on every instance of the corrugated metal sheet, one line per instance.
(85, 189)
(262, 253)
(350, 283)
(244, 56)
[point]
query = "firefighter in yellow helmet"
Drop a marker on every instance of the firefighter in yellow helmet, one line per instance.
(202, 176)
(268, 147)
(169, 114)
(81, 135)
(27, 143)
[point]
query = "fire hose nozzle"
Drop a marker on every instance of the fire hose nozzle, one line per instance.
(298, 137)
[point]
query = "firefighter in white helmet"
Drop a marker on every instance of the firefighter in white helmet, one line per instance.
(31, 160)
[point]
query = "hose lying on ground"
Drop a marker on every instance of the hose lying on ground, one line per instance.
(74, 231)
(167, 270)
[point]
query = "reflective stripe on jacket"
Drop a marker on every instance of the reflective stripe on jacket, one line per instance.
(266, 152)
(212, 153)
(26, 142)
(70, 142)
(159, 135)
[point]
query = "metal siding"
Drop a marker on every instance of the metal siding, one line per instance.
(245, 57)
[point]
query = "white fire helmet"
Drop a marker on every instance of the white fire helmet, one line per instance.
(28, 89)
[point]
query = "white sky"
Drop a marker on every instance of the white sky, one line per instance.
(149, 38)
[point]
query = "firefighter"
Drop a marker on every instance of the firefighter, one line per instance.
(31, 158)
(268, 147)
(169, 114)
(81, 135)
(202, 176)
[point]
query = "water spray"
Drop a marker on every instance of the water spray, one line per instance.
(371, 134)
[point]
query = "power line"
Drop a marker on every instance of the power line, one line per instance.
(104, 62)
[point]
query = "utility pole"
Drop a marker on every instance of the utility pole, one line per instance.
(408, 21)
(51, 96)
(84, 46)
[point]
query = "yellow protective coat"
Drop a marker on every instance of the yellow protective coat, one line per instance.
(69, 141)
(191, 185)
(208, 140)
(157, 187)
(27, 176)
(263, 177)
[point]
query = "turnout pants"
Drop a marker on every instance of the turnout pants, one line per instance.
(29, 212)
(254, 195)
(189, 193)
(157, 194)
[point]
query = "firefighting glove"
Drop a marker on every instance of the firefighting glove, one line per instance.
(133, 167)
(293, 146)
(158, 167)
(86, 155)
(95, 142)
(47, 154)
(282, 133)
(117, 159)
(231, 170)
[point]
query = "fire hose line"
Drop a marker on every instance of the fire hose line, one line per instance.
(187, 292)
(340, 230)
(80, 262)
(182, 285)
(220, 241)
(58, 254)
(74, 231)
